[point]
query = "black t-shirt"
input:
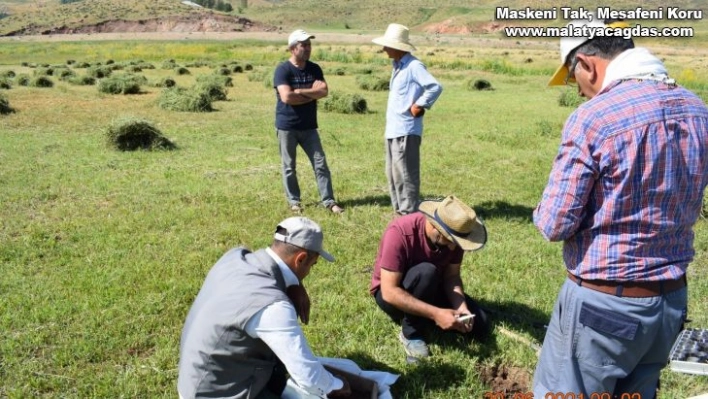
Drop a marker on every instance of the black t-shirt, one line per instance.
(296, 117)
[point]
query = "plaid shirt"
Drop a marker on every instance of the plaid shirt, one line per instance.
(627, 184)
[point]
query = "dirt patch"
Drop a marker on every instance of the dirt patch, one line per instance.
(453, 26)
(180, 24)
(507, 379)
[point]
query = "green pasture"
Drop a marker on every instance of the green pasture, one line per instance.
(102, 252)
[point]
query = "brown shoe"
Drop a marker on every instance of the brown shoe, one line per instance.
(296, 208)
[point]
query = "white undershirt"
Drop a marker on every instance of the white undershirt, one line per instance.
(277, 326)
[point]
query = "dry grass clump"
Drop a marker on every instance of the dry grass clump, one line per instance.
(65, 74)
(166, 82)
(215, 90)
(5, 105)
(5, 83)
(223, 71)
(41, 81)
(479, 84)
(130, 134)
(82, 80)
(372, 82)
(99, 72)
(43, 71)
(121, 84)
(570, 98)
(22, 79)
(182, 71)
(7, 74)
(236, 68)
(345, 103)
(184, 100)
(169, 64)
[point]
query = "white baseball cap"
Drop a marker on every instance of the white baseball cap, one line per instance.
(304, 233)
(298, 36)
(570, 43)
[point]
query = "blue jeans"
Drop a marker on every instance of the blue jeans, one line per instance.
(600, 343)
(310, 142)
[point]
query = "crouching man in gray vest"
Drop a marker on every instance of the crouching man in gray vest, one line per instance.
(242, 335)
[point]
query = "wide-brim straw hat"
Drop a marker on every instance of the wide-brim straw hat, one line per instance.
(396, 37)
(456, 221)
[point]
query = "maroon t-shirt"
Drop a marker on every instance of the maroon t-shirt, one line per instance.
(405, 245)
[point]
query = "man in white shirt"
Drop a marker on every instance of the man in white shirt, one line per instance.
(242, 335)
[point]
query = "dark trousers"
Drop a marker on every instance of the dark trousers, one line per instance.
(424, 282)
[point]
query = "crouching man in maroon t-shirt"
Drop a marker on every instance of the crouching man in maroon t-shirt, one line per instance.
(416, 276)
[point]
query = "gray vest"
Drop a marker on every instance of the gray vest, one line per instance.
(217, 358)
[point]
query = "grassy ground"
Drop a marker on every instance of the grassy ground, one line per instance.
(102, 252)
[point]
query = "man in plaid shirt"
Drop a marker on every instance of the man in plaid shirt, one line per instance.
(623, 195)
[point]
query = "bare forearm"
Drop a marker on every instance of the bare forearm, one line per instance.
(313, 93)
(454, 291)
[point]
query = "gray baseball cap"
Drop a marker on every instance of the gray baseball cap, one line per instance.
(303, 233)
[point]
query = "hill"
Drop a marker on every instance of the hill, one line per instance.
(25, 17)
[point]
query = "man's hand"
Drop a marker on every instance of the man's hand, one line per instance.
(342, 392)
(448, 319)
(298, 296)
(318, 85)
(417, 111)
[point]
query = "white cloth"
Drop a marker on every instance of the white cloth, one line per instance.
(636, 63)
(383, 379)
(277, 326)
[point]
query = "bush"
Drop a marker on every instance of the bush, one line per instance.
(479, 84)
(183, 100)
(124, 84)
(372, 82)
(345, 103)
(5, 105)
(570, 98)
(82, 80)
(41, 81)
(130, 134)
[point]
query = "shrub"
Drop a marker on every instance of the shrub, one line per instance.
(479, 84)
(124, 84)
(41, 81)
(570, 98)
(345, 103)
(5, 105)
(130, 134)
(82, 80)
(372, 82)
(181, 99)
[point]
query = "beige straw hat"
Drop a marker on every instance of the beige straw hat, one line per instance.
(396, 37)
(456, 221)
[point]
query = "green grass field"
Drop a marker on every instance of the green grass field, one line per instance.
(102, 252)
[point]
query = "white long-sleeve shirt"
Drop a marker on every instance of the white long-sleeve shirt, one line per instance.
(277, 326)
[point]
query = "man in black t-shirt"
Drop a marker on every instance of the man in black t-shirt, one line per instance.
(298, 85)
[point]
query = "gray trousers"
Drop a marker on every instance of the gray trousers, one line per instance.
(310, 142)
(403, 172)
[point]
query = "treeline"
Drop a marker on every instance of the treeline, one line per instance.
(217, 5)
